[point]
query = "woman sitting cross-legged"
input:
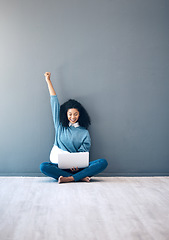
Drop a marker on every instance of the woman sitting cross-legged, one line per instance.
(71, 122)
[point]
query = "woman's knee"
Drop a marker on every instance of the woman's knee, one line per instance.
(103, 162)
(44, 166)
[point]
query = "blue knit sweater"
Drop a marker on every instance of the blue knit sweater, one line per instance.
(69, 139)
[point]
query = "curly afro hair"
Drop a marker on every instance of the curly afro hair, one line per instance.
(84, 119)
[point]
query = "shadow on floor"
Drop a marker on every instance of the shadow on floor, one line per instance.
(48, 180)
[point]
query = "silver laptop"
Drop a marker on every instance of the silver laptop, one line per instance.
(69, 160)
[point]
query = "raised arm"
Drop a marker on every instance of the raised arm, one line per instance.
(54, 101)
(49, 83)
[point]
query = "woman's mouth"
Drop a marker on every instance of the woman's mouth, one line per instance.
(72, 120)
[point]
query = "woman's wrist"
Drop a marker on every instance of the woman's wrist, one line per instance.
(48, 80)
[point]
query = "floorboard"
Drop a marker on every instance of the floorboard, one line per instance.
(107, 208)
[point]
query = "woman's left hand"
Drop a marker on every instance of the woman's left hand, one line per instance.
(73, 169)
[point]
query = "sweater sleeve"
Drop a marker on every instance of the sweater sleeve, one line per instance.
(86, 144)
(55, 106)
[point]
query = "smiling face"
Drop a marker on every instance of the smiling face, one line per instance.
(73, 115)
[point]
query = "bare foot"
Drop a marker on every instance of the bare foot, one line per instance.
(65, 179)
(86, 179)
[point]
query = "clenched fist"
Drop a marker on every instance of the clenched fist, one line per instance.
(47, 75)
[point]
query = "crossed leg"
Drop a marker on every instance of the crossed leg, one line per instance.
(65, 176)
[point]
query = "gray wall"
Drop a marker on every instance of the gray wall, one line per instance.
(113, 56)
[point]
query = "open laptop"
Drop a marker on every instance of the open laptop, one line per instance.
(69, 160)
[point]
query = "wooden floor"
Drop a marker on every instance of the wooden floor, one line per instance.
(108, 208)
